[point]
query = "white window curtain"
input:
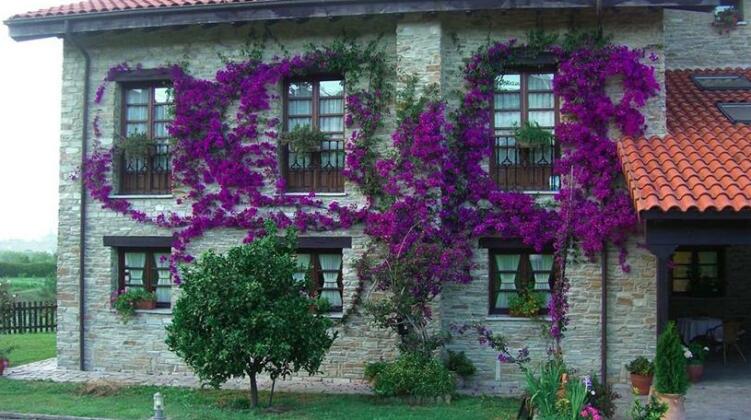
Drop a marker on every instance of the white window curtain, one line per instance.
(135, 263)
(330, 266)
(303, 265)
(507, 265)
(163, 294)
(542, 265)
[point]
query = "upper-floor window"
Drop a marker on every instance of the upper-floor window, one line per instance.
(146, 268)
(522, 99)
(324, 270)
(318, 104)
(697, 272)
(145, 161)
(514, 273)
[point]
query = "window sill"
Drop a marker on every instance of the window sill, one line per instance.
(540, 192)
(322, 194)
(158, 311)
(144, 196)
(509, 318)
(335, 315)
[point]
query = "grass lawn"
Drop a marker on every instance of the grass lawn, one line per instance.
(29, 347)
(26, 289)
(184, 403)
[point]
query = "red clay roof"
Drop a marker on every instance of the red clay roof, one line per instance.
(704, 163)
(93, 6)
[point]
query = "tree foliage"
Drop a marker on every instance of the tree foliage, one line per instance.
(670, 363)
(242, 313)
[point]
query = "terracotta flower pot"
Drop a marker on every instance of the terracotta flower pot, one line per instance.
(676, 406)
(145, 304)
(4, 363)
(641, 383)
(695, 372)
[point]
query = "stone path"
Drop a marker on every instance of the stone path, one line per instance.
(48, 370)
(723, 394)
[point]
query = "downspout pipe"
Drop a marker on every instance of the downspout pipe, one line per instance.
(604, 315)
(82, 228)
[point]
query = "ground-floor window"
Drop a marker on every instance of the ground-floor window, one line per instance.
(324, 274)
(146, 268)
(515, 272)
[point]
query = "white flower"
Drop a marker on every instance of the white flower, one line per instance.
(687, 354)
(593, 393)
(706, 348)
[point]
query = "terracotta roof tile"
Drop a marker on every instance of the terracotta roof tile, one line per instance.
(95, 6)
(704, 163)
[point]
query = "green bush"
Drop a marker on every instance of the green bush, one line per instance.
(670, 363)
(412, 375)
(459, 363)
(374, 369)
(653, 410)
(526, 304)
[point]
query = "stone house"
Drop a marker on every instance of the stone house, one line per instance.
(691, 213)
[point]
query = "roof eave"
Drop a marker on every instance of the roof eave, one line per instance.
(22, 29)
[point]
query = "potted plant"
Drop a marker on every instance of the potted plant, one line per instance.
(641, 370)
(4, 358)
(137, 145)
(725, 18)
(303, 139)
(525, 304)
(671, 379)
(127, 301)
(695, 355)
(531, 135)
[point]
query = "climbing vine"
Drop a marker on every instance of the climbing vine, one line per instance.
(431, 196)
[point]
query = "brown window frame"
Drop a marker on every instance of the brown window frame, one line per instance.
(507, 176)
(524, 268)
(150, 281)
(316, 273)
(153, 182)
(326, 181)
(693, 268)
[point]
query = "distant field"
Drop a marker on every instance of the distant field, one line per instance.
(30, 289)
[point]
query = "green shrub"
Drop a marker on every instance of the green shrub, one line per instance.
(374, 369)
(641, 366)
(412, 375)
(670, 363)
(459, 363)
(650, 411)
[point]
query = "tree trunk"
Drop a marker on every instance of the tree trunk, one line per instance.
(253, 391)
(271, 396)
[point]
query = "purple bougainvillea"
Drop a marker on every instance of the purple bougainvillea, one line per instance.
(432, 197)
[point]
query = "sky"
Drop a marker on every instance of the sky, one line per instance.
(30, 83)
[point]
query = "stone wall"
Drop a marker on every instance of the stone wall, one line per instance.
(430, 47)
(692, 42)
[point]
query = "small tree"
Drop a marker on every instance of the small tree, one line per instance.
(670, 363)
(243, 313)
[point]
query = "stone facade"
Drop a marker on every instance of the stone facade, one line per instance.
(430, 47)
(692, 42)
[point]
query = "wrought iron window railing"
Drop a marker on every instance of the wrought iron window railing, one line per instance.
(516, 167)
(146, 174)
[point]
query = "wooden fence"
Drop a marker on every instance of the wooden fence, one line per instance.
(28, 317)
